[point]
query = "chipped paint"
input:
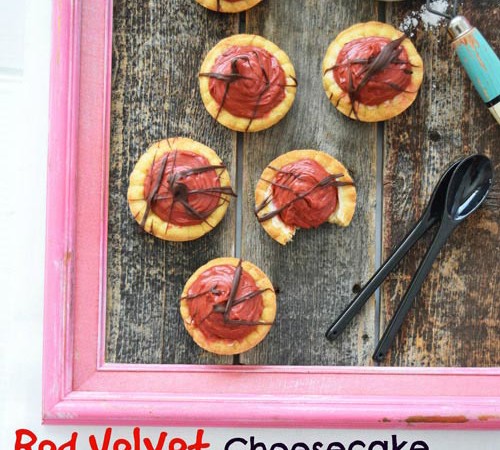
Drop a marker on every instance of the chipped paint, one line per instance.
(480, 62)
(485, 418)
(436, 419)
(68, 255)
(471, 41)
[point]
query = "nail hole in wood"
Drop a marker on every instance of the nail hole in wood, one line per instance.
(434, 136)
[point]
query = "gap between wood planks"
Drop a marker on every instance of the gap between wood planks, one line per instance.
(239, 179)
(239, 167)
(379, 194)
(379, 205)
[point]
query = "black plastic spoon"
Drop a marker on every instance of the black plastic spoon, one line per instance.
(468, 187)
(430, 216)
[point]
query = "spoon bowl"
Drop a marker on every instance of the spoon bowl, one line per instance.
(468, 187)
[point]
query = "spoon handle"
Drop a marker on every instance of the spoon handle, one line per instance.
(376, 280)
(404, 306)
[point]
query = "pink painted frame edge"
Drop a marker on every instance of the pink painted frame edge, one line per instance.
(80, 388)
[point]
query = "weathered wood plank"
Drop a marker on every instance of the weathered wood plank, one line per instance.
(456, 321)
(158, 47)
(317, 271)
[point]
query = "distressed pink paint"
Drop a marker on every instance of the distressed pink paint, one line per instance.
(80, 388)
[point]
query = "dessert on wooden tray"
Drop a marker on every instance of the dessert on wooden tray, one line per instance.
(372, 72)
(303, 189)
(228, 6)
(228, 306)
(179, 189)
(247, 83)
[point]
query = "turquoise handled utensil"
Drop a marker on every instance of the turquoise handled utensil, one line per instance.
(477, 57)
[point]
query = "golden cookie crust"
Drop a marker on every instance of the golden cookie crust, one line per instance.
(342, 215)
(225, 346)
(228, 7)
(389, 108)
(241, 123)
(138, 204)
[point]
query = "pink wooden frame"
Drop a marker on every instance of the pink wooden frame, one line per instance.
(80, 388)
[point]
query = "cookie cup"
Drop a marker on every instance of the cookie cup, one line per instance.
(230, 346)
(346, 205)
(387, 109)
(154, 224)
(242, 123)
(228, 7)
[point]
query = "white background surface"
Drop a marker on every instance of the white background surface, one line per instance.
(24, 77)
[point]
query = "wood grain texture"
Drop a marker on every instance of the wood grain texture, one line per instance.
(317, 271)
(157, 50)
(456, 319)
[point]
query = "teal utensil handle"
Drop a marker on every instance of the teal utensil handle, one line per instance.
(479, 60)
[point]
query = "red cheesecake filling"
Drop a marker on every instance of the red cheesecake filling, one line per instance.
(372, 82)
(304, 193)
(207, 300)
(183, 188)
(247, 81)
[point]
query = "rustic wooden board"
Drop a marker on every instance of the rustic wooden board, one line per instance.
(317, 271)
(158, 47)
(456, 321)
(157, 50)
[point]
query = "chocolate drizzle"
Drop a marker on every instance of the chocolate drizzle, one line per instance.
(154, 191)
(389, 55)
(179, 192)
(230, 78)
(227, 79)
(330, 180)
(232, 301)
